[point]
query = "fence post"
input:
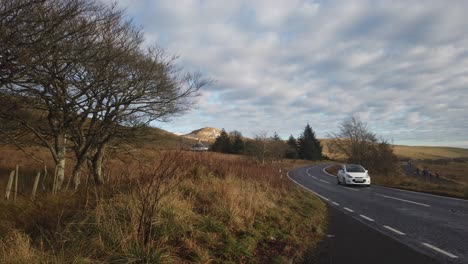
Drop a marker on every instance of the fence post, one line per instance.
(9, 185)
(36, 182)
(16, 182)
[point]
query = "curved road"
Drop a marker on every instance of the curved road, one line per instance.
(433, 225)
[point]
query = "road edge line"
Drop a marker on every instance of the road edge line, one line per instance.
(331, 175)
(403, 200)
(324, 198)
(394, 230)
(367, 218)
(440, 250)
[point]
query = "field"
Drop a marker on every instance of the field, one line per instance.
(416, 152)
(421, 152)
(210, 208)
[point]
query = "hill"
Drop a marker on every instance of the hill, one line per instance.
(208, 134)
(416, 152)
(157, 138)
(427, 152)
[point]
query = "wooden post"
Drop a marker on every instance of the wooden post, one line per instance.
(16, 182)
(9, 185)
(36, 182)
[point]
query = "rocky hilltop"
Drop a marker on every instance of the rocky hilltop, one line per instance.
(204, 134)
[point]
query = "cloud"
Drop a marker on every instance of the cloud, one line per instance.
(400, 65)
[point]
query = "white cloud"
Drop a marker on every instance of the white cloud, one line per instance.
(400, 65)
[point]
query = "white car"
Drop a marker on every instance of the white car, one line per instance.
(353, 174)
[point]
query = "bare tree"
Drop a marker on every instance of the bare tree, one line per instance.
(353, 140)
(75, 75)
(266, 149)
(278, 148)
(44, 45)
(141, 87)
(355, 143)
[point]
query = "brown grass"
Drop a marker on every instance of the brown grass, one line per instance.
(422, 152)
(414, 152)
(455, 171)
(225, 209)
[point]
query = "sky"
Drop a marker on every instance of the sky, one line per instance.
(400, 66)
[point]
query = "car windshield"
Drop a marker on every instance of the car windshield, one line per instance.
(355, 168)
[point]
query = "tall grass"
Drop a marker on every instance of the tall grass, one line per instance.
(210, 208)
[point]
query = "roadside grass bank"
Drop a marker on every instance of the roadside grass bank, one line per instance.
(167, 207)
(402, 181)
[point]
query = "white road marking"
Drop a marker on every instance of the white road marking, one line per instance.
(335, 203)
(324, 198)
(351, 189)
(438, 196)
(403, 200)
(367, 218)
(324, 181)
(347, 209)
(440, 250)
(314, 177)
(331, 175)
(394, 230)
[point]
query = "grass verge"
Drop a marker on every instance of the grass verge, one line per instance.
(217, 209)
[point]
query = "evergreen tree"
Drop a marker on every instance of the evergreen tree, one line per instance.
(309, 146)
(222, 143)
(237, 142)
(291, 153)
(275, 137)
(292, 142)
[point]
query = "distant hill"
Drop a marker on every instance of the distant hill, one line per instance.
(161, 139)
(427, 152)
(207, 134)
(417, 152)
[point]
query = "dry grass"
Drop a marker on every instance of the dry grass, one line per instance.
(414, 152)
(421, 152)
(226, 209)
(413, 184)
(455, 171)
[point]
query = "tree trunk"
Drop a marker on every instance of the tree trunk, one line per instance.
(97, 166)
(76, 175)
(60, 165)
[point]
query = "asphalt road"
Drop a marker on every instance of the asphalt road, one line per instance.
(431, 225)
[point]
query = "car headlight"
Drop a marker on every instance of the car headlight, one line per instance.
(349, 176)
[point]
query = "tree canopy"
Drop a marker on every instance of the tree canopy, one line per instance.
(309, 147)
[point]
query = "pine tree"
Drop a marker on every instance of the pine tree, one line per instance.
(309, 146)
(291, 153)
(292, 142)
(222, 143)
(237, 142)
(275, 137)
